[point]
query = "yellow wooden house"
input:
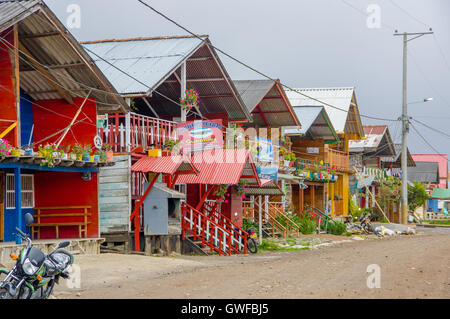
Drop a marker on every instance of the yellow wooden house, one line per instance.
(342, 109)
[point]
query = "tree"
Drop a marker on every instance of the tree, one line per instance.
(417, 195)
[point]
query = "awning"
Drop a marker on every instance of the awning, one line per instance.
(165, 165)
(222, 167)
(268, 187)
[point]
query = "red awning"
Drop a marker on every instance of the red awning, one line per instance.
(165, 165)
(222, 167)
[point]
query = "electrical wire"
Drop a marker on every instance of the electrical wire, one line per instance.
(253, 69)
(426, 142)
(432, 128)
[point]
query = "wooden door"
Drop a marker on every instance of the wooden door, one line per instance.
(2, 206)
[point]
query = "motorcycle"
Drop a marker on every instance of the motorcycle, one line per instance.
(35, 274)
(365, 223)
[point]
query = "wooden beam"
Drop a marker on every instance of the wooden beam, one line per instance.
(65, 95)
(262, 115)
(38, 35)
(56, 66)
(17, 83)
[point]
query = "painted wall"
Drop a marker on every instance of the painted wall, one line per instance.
(26, 118)
(49, 116)
(67, 189)
(7, 97)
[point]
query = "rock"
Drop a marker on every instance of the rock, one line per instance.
(78, 294)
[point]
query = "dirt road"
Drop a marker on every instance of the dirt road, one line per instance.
(410, 267)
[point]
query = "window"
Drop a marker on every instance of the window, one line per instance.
(27, 192)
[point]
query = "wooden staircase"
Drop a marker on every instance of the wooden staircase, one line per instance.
(214, 233)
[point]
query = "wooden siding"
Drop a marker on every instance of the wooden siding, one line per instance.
(114, 196)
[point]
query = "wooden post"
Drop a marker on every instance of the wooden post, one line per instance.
(17, 83)
(18, 200)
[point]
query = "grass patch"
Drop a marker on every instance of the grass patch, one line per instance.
(271, 245)
(438, 222)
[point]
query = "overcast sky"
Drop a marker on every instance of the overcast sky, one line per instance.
(309, 43)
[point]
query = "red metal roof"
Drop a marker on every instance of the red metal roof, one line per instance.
(164, 165)
(222, 167)
(374, 129)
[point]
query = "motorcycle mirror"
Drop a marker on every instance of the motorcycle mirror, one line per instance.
(29, 219)
(63, 244)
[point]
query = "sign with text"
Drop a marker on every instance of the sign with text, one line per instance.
(200, 135)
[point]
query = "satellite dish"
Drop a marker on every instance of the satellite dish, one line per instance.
(98, 142)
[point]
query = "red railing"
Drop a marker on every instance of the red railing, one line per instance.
(239, 238)
(126, 132)
(202, 228)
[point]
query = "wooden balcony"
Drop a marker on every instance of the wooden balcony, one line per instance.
(126, 132)
(337, 159)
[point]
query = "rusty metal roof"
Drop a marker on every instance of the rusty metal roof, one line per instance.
(165, 165)
(222, 167)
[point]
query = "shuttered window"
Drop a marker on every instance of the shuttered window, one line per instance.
(27, 192)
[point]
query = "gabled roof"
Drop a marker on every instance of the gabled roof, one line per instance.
(156, 63)
(377, 142)
(267, 102)
(344, 113)
(316, 123)
(164, 165)
(396, 159)
(222, 167)
(48, 47)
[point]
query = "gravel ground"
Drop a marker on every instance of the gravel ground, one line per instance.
(410, 267)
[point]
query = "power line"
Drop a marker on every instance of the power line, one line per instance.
(426, 142)
(253, 69)
(408, 14)
(387, 26)
(432, 128)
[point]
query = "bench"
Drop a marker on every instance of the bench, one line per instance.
(82, 225)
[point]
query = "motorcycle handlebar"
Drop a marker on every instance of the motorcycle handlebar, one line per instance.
(20, 232)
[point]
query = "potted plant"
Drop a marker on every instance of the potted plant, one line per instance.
(98, 155)
(77, 151)
(50, 154)
(15, 152)
(5, 148)
(87, 153)
(108, 152)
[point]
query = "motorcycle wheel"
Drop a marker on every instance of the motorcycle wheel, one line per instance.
(4, 294)
(252, 246)
(47, 291)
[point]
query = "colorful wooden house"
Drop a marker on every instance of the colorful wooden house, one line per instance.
(342, 109)
(152, 74)
(50, 92)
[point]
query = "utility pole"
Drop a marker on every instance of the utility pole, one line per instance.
(405, 125)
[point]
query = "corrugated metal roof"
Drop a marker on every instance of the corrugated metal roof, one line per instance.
(156, 63)
(316, 120)
(147, 59)
(222, 167)
(165, 165)
(12, 11)
(396, 159)
(338, 97)
(266, 95)
(58, 52)
(425, 172)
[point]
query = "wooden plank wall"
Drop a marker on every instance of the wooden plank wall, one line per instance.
(115, 196)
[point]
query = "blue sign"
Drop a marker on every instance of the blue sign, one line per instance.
(265, 149)
(267, 173)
